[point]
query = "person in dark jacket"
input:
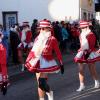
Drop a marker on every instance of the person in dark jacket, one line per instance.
(14, 41)
(33, 28)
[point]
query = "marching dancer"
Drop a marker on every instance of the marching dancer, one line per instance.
(87, 54)
(3, 67)
(26, 42)
(41, 60)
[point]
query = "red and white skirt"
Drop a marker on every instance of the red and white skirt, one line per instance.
(93, 57)
(39, 64)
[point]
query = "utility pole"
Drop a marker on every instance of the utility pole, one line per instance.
(79, 9)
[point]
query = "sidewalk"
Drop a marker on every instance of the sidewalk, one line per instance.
(15, 70)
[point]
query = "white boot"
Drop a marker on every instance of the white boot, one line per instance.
(81, 88)
(97, 84)
(41, 99)
(50, 95)
(22, 68)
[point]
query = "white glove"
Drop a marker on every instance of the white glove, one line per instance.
(24, 43)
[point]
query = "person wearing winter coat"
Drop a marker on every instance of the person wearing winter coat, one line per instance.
(3, 66)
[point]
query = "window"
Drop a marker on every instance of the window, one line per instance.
(84, 16)
(9, 19)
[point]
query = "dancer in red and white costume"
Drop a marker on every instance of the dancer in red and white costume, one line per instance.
(41, 58)
(87, 54)
(26, 42)
(3, 67)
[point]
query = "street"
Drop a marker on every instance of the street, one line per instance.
(24, 86)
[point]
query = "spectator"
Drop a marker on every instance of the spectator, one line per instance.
(14, 41)
(65, 36)
(33, 28)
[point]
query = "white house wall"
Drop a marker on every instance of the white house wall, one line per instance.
(39, 9)
(85, 4)
(27, 9)
(34, 9)
(87, 7)
(8, 5)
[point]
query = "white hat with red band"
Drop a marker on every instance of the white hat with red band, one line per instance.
(25, 23)
(83, 24)
(44, 24)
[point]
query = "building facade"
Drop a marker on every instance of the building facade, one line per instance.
(17, 11)
(97, 9)
(87, 9)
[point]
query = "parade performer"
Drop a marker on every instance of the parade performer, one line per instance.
(3, 67)
(41, 58)
(87, 54)
(26, 42)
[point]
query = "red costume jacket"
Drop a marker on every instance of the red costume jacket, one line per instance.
(28, 36)
(47, 53)
(27, 41)
(91, 41)
(93, 56)
(2, 54)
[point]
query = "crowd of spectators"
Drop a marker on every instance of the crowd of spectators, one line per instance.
(66, 33)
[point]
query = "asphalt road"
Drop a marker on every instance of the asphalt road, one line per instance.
(24, 85)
